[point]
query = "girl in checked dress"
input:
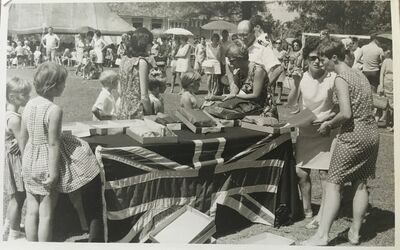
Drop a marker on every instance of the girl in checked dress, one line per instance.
(17, 95)
(52, 162)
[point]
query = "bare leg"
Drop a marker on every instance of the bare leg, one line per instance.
(76, 199)
(14, 210)
(173, 82)
(360, 205)
(209, 84)
(46, 215)
(31, 217)
(322, 175)
(305, 187)
(332, 201)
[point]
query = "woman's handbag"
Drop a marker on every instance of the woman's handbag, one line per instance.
(118, 61)
(380, 102)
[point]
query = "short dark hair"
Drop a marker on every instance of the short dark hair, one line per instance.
(298, 42)
(98, 33)
(216, 36)
(256, 20)
(310, 46)
(225, 31)
(138, 42)
(331, 48)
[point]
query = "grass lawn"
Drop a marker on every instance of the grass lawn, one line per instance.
(378, 230)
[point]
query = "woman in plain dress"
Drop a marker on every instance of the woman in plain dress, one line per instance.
(183, 58)
(79, 47)
(313, 151)
(99, 45)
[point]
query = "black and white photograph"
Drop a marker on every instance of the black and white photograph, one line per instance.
(252, 123)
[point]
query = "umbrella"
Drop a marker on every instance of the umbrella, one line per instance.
(385, 35)
(220, 25)
(179, 32)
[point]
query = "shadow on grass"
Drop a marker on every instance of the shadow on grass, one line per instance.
(377, 221)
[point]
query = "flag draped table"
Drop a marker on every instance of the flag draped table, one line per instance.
(247, 171)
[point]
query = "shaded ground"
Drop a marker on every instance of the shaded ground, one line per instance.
(378, 230)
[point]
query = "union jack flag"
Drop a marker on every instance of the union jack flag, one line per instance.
(141, 187)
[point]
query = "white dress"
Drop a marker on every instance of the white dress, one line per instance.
(313, 150)
(183, 61)
(98, 45)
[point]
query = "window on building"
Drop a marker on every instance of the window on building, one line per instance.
(137, 22)
(156, 23)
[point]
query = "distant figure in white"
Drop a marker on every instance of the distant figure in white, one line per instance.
(51, 42)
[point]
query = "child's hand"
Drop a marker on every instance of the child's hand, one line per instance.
(50, 182)
(14, 148)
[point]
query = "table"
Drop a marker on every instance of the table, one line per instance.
(248, 171)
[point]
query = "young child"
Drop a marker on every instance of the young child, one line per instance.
(104, 107)
(20, 51)
(52, 162)
(27, 53)
(157, 85)
(36, 56)
(109, 57)
(190, 84)
(10, 53)
(81, 66)
(17, 95)
(66, 57)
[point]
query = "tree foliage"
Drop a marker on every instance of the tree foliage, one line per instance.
(346, 17)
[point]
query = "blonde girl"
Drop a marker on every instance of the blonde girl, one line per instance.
(17, 96)
(190, 85)
(52, 162)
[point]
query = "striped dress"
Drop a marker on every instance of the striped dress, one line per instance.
(78, 165)
(12, 168)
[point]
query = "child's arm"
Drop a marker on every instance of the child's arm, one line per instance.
(14, 124)
(55, 121)
(381, 76)
(98, 114)
(144, 91)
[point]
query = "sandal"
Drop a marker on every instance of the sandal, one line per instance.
(314, 224)
(347, 235)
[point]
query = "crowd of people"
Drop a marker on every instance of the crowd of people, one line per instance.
(335, 79)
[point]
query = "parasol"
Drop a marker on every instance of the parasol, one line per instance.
(178, 32)
(220, 25)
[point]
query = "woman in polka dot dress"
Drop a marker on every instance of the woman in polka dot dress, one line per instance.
(354, 157)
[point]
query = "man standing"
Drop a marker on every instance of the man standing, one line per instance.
(252, 33)
(372, 57)
(51, 42)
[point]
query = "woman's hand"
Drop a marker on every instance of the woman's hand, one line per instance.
(324, 129)
(230, 96)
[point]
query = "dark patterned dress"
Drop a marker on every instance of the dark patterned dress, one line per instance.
(245, 82)
(130, 105)
(356, 151)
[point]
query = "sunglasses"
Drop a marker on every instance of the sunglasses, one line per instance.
(313, 58)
